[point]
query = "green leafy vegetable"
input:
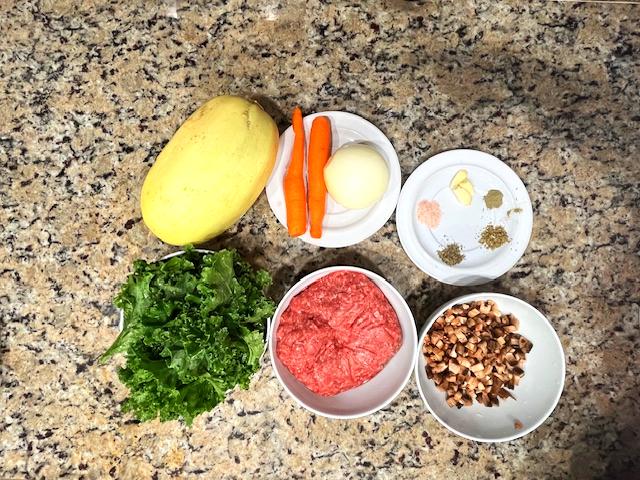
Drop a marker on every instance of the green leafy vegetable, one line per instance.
(193, 329)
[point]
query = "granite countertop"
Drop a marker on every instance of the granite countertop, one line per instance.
(90, 91)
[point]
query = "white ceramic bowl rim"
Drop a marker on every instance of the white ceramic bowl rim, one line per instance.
(321, 273)
(494, 296)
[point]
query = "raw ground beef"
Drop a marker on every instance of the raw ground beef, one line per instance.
(338, 333)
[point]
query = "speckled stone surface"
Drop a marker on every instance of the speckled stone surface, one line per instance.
(90, 91)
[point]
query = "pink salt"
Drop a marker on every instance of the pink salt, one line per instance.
(429, 213)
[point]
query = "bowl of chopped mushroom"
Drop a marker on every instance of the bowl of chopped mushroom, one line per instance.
(490, 367)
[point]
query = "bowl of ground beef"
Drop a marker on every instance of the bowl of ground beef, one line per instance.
(343, 342)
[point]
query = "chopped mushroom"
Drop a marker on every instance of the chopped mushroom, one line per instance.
(473, 352)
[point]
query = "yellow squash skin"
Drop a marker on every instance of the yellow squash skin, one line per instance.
(211, 171)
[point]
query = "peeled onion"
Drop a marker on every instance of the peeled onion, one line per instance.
(356, 176)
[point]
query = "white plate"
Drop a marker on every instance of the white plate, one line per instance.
(463, 224)
(536, 396)
(341, 227)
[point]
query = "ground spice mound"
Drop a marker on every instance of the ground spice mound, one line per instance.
(493, 199)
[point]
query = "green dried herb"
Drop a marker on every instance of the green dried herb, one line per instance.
(451, 254)
(493, 236)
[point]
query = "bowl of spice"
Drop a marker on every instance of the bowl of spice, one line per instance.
(464, 217)
(490, 367)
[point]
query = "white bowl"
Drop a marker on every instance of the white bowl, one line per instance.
(535, 397)
(372, 395)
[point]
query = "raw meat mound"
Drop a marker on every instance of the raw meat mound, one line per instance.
(338, 333)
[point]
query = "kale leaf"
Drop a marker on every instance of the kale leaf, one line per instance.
(193, 329)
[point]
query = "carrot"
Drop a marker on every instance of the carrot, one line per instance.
(295, 196)
(319, 151)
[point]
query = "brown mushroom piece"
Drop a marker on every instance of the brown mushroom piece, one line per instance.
(473, 352)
